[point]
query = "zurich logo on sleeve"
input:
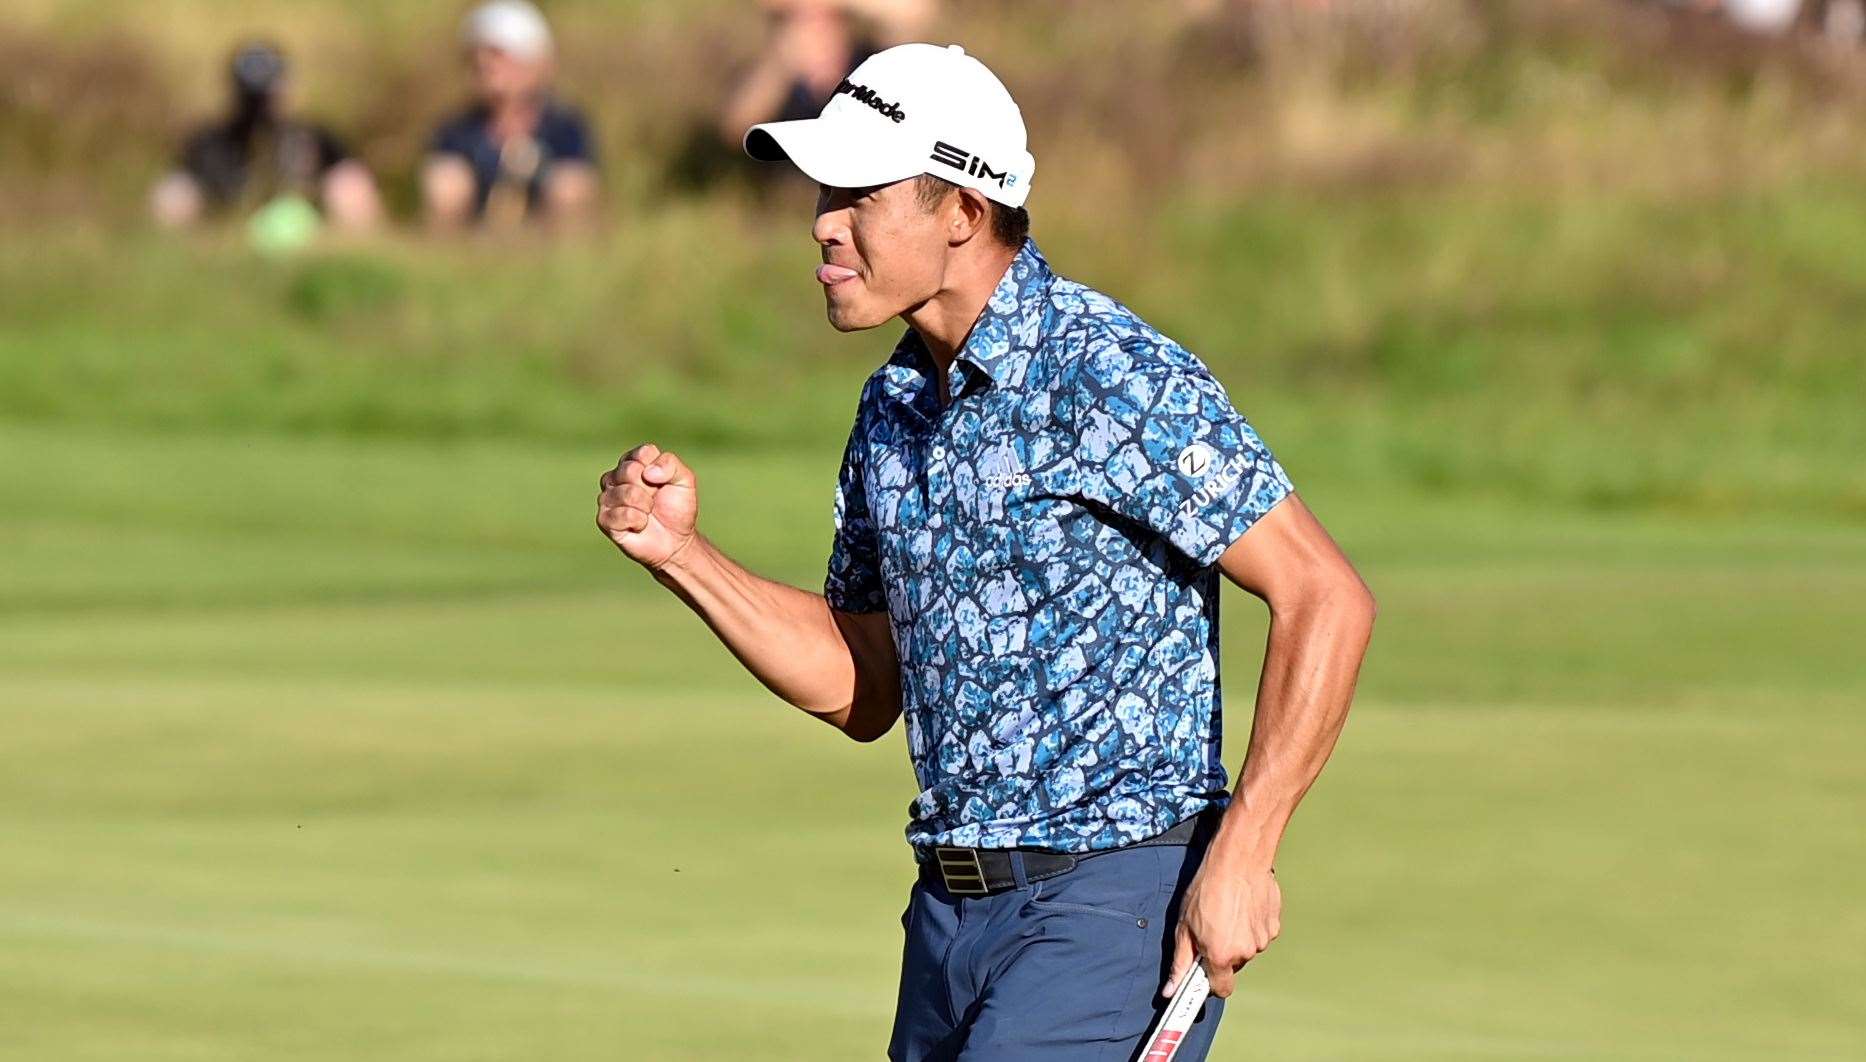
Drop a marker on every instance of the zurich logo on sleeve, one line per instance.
(1195, 460)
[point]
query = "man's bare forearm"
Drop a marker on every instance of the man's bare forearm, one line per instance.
(788, 638)
(839, 667)
(1309, 670)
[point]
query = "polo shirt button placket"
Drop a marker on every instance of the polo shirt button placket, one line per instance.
(936, 477)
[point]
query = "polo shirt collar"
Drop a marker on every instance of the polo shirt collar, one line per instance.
(1011, 324)
(1001, 340)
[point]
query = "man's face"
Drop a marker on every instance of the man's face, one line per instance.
(501, 75)
(884, 253)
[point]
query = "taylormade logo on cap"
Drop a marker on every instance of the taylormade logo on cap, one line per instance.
(867, 95)
(913, 109)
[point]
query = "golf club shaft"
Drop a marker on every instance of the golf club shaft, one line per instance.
(1163, 1043)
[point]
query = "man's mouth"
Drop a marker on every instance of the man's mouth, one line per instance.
(831, 275)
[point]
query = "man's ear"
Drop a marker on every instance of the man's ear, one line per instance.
(967, 215)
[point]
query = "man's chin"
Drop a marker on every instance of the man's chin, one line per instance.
(851, 319)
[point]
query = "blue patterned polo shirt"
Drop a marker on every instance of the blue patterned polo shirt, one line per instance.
(1045, 547)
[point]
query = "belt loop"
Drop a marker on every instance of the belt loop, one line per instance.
(1017, 869)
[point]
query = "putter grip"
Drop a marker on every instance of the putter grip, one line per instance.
(1163, 1043)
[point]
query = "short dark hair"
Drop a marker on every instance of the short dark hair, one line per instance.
(1010, 226)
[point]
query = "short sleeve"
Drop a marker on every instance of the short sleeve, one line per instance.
(567, 137)
(453, 137)
(196, 152)
(331, 149)
(854, 580)
(210, 157)
(1159, 442)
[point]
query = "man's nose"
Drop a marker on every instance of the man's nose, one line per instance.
(831, 227)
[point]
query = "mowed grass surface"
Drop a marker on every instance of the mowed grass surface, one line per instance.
(340, 750)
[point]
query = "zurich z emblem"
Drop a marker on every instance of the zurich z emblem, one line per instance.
(1194, 461)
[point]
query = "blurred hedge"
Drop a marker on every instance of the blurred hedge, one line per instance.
(1585, 250)
(1223, 98)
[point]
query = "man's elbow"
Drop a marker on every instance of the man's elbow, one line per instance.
(865, 719)
(870, 726)
(1357, 604)
(870, 735)
(1365, 604)
(1336, 599)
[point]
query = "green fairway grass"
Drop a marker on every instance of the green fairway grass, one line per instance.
(331, 729)
(323, 749)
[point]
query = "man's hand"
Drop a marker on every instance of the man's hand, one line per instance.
(648, 505)
(1229, 916)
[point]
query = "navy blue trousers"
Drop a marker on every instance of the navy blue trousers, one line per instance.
(1063, 970)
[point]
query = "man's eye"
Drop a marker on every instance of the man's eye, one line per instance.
(851, 195)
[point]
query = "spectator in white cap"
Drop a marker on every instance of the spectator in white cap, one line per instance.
(1037, 501)
(516, 152)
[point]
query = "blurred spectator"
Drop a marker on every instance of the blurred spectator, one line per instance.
(1844, 20)
(809, 46)
(259, 153)
(517, 151)
(1763, 16)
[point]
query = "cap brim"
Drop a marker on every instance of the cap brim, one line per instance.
(829, 152)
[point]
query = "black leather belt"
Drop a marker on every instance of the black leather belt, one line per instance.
(983, 871)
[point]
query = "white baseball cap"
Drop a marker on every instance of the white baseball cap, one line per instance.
(512, 26)
(912, 109)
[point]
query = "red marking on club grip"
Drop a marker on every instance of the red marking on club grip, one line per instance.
(1164, 1047)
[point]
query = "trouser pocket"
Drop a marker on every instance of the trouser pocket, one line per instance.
(1125, 886)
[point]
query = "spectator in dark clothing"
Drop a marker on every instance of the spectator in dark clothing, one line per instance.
(516, 152)
(559, 137)
(260, 152)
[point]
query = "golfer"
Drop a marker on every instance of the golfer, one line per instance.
(1036, 501)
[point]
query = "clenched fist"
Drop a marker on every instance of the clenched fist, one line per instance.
(648, 505)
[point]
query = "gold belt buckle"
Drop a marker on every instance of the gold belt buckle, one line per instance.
(960, 869)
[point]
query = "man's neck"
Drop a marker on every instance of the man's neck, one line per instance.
(944, 321)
